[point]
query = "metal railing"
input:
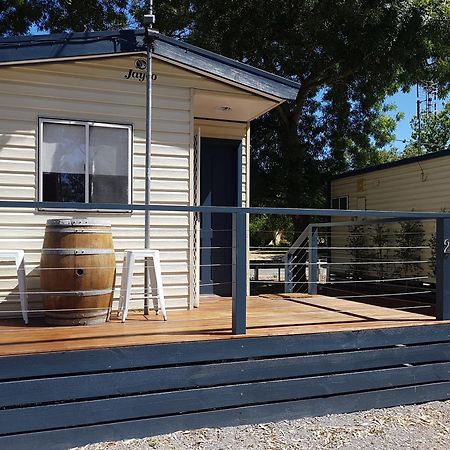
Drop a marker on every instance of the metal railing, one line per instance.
(370, 260)
(311, 236)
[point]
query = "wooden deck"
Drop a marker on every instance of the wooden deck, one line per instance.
(301, 357)
(266, 316)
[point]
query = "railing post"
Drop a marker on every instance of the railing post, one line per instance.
(288, 272)
(443, 269)
(239, 304)
(313, 263)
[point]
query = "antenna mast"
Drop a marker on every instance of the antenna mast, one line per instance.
(426, 92)
(150, 36)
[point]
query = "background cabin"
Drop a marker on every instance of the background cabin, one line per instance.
(418, 183)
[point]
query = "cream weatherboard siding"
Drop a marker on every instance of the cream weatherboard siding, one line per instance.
(423, 186)
(415, 186)
(96, 90)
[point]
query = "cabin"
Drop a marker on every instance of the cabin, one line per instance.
(73, 146)
(72, 129)
(418, 183)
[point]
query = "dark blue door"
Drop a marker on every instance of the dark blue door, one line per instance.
(218, 187)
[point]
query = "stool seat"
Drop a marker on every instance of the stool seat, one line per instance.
(18, 256)
(129, 258)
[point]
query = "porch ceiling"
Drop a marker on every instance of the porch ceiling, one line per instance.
(221, 106)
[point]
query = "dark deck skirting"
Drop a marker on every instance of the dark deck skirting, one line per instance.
(59, 400)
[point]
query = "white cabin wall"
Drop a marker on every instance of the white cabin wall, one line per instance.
(97, 90)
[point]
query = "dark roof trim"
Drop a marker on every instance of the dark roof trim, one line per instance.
(71, 45)
(389, 165)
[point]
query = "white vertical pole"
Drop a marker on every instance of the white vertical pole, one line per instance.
(148, 148)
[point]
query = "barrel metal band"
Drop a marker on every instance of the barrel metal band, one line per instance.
(77, 251)
(78, 222)
(90, 293)
(92, 230)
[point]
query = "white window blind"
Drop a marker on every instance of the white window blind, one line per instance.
(63, 148)
(84, 162)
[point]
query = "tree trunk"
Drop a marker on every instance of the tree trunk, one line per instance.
(294, 169)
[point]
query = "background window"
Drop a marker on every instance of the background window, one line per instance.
(339, 203)
(84, 162)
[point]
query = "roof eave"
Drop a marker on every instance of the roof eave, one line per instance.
(390, 165)
(72, 45)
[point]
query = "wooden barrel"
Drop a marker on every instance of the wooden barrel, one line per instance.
(78, 271)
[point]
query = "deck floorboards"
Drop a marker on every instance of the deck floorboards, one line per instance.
(266, 316)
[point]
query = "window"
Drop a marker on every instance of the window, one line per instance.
(84, 162)
(361, 203)
(339, 203)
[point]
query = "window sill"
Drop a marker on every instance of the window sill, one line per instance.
(85, 211)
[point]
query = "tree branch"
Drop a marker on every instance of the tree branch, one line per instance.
(313, 83)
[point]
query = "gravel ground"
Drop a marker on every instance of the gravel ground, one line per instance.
(405, 427)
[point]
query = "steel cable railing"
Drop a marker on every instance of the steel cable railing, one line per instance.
(328, 264)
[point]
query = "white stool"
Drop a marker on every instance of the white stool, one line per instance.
(18, 256)
(129, 259)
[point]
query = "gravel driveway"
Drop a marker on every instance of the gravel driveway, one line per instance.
(405, 427)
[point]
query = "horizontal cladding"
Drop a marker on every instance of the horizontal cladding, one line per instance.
(416, 186)
(166, 387)
(421, 187)
(64, 438)
(98, 91)
(114, 70)
(169, 403)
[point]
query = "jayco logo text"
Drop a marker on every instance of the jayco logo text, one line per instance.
(140, 75)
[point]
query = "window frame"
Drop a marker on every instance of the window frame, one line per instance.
(87, 124)
(346, 197)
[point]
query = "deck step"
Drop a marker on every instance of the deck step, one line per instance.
(59, 400)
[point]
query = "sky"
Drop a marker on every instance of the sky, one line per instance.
(406, 103)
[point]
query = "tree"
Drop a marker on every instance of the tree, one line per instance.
(358, 244)
(410, 239)
(347, 58)
(20, 16)
(432, 135)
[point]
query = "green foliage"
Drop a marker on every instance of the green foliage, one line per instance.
(358, 243)
(434, 134)
(432, 244)
(410, 234)
(380, 239)
(269, 229)
(19, 16)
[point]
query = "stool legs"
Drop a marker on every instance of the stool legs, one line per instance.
(20, 268)
(127, 278)
(159, 285)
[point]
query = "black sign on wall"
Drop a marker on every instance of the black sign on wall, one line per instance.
(139, 73)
